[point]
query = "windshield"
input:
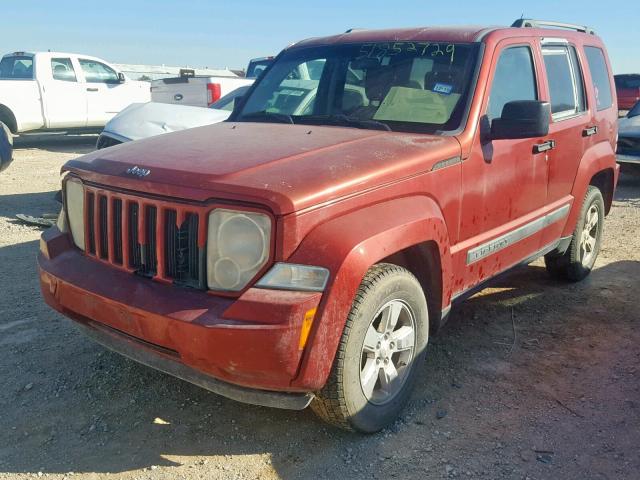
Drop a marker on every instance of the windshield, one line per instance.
(400, 86)
(16, 67)
(256, 67)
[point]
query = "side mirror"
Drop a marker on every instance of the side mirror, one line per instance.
(238, 103)
(121, 77)
(522, 119)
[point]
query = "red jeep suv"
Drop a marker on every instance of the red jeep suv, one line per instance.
(302, 252)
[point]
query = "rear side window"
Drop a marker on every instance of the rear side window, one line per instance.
(565, 81)
(96, 72)
(16, 67)
(62, 69)
(513, 80)
(600, 77)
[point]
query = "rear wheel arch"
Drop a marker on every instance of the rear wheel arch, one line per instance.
(604, 181)
(8, 118)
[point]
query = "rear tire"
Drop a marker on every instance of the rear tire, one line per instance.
(577, 262)
(381, 350)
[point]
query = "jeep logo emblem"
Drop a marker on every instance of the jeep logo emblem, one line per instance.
(138, 172)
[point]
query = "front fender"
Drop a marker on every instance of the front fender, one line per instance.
(598, 158)
(348, 246)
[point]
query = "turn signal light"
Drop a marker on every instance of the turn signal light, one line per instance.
(306, 327)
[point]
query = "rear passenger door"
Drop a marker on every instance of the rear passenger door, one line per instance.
(65, 97)
(570, 117)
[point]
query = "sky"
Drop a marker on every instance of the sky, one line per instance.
(219, 34)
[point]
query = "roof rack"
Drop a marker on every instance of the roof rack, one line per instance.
(529, 22)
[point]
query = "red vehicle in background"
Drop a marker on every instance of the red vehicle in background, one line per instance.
(304, 251)
(627, 90)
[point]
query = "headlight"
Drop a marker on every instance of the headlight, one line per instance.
(288, 276)
(74, 203)
(237, 248)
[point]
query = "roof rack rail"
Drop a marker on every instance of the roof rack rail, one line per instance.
(351, 30)
(529, 22)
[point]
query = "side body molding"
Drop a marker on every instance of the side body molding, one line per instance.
(348, 246)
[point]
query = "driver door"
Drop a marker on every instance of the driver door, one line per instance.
(106, 94)
(504, 181)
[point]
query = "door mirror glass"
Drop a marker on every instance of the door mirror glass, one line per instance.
(121, 77)
(522, 119)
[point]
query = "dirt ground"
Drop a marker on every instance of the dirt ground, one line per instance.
(532, 379)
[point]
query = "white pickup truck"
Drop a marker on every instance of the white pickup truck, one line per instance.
(195, 91)
(47, 91)
(203, 91)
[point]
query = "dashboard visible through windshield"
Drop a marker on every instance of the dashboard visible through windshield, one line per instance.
(399, 86)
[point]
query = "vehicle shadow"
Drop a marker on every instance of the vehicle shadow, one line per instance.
(628, 189)
(34, 204)
(56, 143)
(71, 406)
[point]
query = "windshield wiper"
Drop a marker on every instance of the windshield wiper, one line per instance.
(268, 116)
(342, 119)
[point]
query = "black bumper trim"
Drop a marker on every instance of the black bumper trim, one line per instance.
(134, 350)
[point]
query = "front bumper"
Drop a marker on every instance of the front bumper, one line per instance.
(244, 348)
(628, 150)
(625, 158)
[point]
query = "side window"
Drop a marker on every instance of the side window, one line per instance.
(565, 81)
(16, 67)
(96, 72)
(514, 79)
(62, 69)
(600, 77)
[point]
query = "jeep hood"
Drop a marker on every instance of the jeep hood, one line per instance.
(286, 167)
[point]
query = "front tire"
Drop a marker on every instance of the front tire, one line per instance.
(577, 262)
(381, 350)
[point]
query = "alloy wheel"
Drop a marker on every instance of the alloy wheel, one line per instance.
(387, 352)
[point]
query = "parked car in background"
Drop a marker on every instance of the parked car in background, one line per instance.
(628, 151)
(195, 91)
(45, 91)
(6, 146)
(627, 91)
(257, 66)
(304, 251)
(142, 120)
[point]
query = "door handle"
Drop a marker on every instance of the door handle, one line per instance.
(544, 146)
(587, 132)
(92, 89)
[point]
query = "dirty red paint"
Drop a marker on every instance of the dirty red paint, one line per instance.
(339, 198)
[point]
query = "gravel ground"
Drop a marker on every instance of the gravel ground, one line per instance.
(530, 379)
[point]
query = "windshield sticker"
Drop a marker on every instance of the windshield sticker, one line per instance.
(443, 88)
(288, 91)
